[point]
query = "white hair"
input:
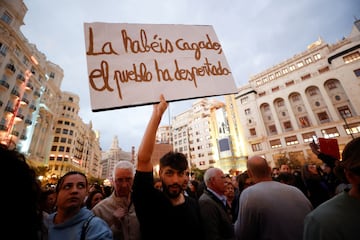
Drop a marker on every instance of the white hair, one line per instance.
(124, 164)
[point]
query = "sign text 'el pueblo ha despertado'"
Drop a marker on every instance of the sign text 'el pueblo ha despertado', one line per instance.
(132, 64)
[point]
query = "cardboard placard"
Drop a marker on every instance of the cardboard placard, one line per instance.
(132, 64)
(329, 146)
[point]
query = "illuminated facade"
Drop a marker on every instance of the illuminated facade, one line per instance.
(314, 93)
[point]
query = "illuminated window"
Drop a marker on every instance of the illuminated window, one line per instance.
(351, 57)
(330, 132)
(292, 140)
(299, 64)
(308, 60)
(275, 143)
(252, 131)
(317, 56)
(292, 68)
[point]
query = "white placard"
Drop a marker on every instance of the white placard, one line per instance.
(132, 64)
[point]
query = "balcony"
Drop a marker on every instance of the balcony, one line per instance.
(10, 68)
(15, 93)
(29, 86)
(15, 133)
(25, 100)
(20, 77)
(9, 109)
(3, 127)
(4, 84)
(28, 121)
(37, 93)
(20, 116)
(32, 107)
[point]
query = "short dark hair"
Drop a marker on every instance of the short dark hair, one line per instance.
(175, 160)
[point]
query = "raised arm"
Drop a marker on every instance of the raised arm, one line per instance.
(148, 141)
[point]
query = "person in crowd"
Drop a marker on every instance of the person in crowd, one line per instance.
(328, 174)
(339, 217)
(269, 209)
(317, 190)
(24, 213)
(107, 190)
(275, 173)
(72, 220)
(215, 212)
(47, 201)
(291, 177)
(230, 195)
(166, 214)
(244, 181)
(94, 197)
(193, 189)
(158, 184)
(118, 210)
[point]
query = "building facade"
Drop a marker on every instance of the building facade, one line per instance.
(313, 94)
(36, 117)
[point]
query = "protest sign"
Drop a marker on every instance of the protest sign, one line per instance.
(132, 64)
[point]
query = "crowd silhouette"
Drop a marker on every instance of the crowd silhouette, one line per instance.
(314, 202)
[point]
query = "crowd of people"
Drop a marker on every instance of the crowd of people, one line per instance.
(259, 203)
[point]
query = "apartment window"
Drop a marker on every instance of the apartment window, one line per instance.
(331, 85)
(299, 64)
(26, 61)
(289, 83)
(61, 149)
(258, 83)
(351, 57)
(308, 137)
(357, 72)
(312, 92)
(265, 80)
(323, 117)
(344, 112)
(272, 129)
(292, 140)
(307, 76)
(244, 100)
(285, 71)
(330, 132)
(304, 122)
(256, 147)
(352, 128)
(271, 77)
(324, 69)
(247, 111)
(58, 130)
(276, 143)
(56, 139)
(52, 75)
(6, 17)
(277, 74)
(53, 148)
(17, 51)
(287, 126)
(308, 60)
(63, 140)
(262, 94)
(252, 131)
(317, 56)
(292, 68)
(275, 89)
(3, 49)
(295, 97)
